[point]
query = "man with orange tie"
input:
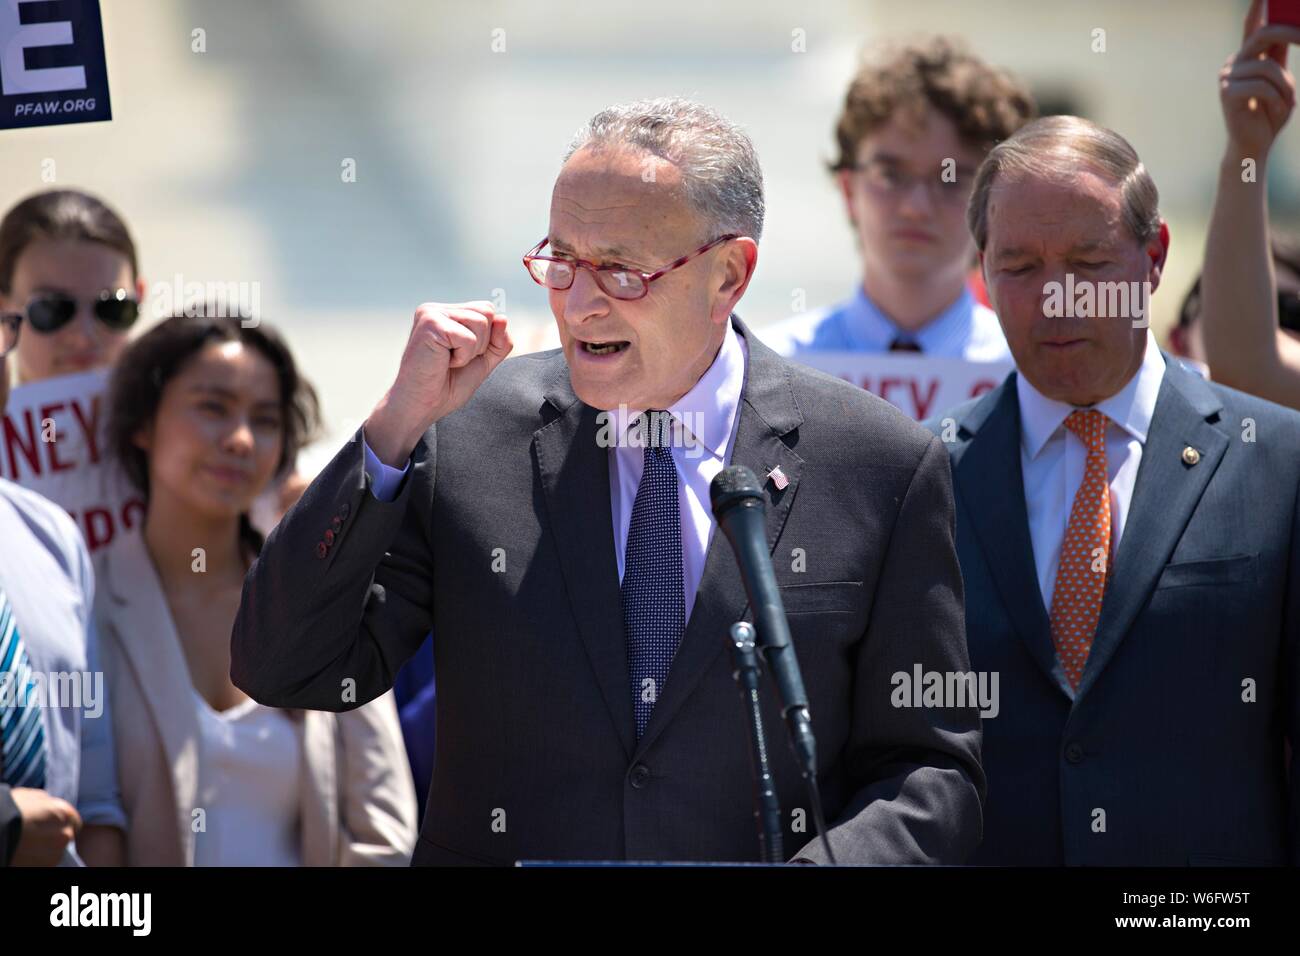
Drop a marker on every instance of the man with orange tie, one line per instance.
(1129, 538)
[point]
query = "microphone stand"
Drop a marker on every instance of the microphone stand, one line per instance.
(738, 506)
(767, 810)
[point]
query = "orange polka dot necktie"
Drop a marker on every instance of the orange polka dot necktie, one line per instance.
(1085, 552)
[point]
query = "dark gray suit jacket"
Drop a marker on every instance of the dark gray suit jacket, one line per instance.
(536, 751)
(1202, 613)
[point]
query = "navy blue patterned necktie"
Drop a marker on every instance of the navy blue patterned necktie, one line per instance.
(654, 603)
(22, 732)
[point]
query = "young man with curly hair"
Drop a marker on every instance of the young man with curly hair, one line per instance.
(917, 121)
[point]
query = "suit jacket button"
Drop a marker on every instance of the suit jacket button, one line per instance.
(1074, 753)
(329, 536)
(336, 522)
(322, 549)
(640, 776)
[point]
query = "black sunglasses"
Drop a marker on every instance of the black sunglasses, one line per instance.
(51, 311)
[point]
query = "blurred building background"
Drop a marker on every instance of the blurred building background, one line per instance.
(236, 121)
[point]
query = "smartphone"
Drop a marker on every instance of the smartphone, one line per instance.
(1284, 11)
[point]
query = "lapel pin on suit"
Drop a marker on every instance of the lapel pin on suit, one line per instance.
(1190, 455)
(778, 478)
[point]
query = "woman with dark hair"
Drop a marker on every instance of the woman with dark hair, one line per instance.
(203, 413)
(68, 267)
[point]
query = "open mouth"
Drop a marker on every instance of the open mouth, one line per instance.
(603, 348)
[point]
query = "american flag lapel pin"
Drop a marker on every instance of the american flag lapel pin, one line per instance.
(778, 478)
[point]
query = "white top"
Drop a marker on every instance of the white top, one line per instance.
(1052, 459)
(249, 771)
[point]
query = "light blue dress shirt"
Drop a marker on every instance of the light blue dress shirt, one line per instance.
(46, 574)
(966, 330)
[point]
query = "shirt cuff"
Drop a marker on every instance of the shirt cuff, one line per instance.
(103, 813)
(384, 479)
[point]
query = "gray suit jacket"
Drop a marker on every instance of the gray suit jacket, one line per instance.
(501, 541)
(1172, 750)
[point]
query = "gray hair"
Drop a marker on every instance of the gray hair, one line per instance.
(720, 172)
(1059, 146)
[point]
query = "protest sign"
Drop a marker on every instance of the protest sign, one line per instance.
(52, 67)
(920, 385)
(52, 441)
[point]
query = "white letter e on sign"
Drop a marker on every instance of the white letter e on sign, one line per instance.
(17, 37)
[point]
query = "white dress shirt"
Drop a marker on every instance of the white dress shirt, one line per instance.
(965, 330)
(704, 429)
(1052, 459)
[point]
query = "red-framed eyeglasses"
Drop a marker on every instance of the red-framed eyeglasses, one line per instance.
(616, 281)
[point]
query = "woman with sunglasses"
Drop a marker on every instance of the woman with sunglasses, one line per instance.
(69, 272)
(203, 412)
(68, 268)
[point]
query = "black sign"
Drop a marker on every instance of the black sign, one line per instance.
(52, 67)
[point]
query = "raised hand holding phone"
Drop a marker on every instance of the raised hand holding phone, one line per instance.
(1286, 12)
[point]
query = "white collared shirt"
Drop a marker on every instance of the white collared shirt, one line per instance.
(1052, 459)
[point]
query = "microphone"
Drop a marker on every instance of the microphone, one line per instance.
(737, 500)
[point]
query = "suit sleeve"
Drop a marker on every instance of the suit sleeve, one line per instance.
(920, 787)
(342, 592)
(377, 807)
(99, 800)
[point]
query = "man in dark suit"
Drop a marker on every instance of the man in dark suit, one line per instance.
(563, 557)
(1128, 536)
